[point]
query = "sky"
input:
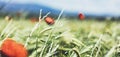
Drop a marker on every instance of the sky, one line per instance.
(86, 6)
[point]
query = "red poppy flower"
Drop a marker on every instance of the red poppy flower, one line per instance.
(49, 20)
(11, 48)
(81, 16)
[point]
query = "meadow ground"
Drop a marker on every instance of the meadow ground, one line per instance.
(66, 38)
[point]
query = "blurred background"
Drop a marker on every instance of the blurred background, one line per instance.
(92, 9)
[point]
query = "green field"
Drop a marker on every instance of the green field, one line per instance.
(66, 38)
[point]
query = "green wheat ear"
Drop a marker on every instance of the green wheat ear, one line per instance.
(90, 38)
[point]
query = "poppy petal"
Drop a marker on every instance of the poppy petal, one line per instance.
(81, 16)
(11, 48)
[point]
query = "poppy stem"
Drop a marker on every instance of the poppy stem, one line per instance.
(40, 15)
(34, 28)
(46, 15)
(50, 34)
(60, 15)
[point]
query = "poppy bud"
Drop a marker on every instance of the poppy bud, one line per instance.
(49, 20)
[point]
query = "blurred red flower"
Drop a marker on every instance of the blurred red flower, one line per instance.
(33, 19)
(49, 20)
(10, 48)
(81, 16)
